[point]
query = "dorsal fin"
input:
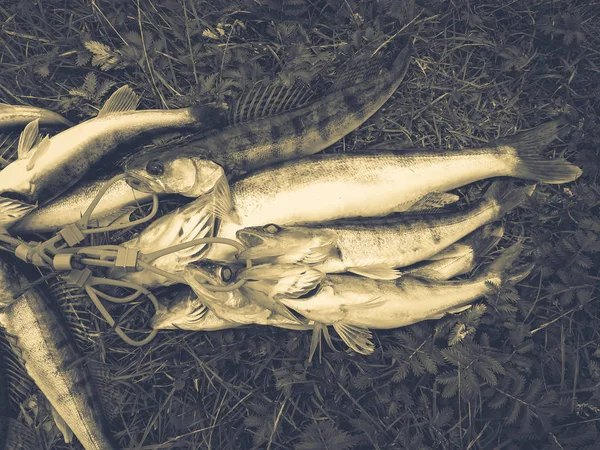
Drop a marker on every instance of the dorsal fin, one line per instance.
(28, 138)
(122, 100)
(267, 100)
(38, 152)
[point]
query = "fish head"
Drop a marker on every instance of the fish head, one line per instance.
(166, 174)
(285, 245)
(280, 280)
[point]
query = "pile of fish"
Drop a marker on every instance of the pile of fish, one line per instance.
(268, 234)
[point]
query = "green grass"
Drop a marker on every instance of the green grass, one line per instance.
(522, 373)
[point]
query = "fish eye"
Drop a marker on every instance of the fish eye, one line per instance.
(225, 273)
(271, 228)
(155, 167)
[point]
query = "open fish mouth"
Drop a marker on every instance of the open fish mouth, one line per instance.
(250, 238)
(139, 183)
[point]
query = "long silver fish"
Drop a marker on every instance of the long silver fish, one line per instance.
(353, 305)
(375, 247)
(70, 207)
(274, 123)
(329, 187)
(51, 360)
(47, 168)
(12, 116)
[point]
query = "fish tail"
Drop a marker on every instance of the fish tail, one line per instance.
(505, 269)
(506, 196)
(528, 146)
(484, 239)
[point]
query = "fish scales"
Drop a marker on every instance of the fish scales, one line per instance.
(51, 359)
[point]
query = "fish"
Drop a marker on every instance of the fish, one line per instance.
(323, 188)
(70, 207)
(476, 244)
(13, 116)
(275, 123)
(43, 342)
(375, 248)
(353, 305)
(48, 166)
(195, 220)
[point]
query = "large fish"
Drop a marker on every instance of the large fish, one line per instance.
(375, 247)
(353, 305)
(274, 123)
(330, 187)
(12, 116)
(50, 359)
(48, 167)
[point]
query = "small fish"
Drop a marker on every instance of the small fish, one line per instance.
(195, 220)
(276, 123)
(119, 199)
(197, 308)
(42, 341)
(476, 244)
(47, 167)
(353, 305)
(374, 248)
(12, 116)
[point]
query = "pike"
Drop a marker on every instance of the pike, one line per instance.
(276, 123)
(375, 248)
(353, 305)
(48, 166)
(43, 342)
(12, 116)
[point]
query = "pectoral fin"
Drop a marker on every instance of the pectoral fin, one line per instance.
(357, 338)
(11, 211)
(62, 426)
(319, 330)
(122, 100)
(28, 138)
(377, 272)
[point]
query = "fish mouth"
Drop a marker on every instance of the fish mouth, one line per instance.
(250, 238)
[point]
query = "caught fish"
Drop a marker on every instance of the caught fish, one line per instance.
(478, 243)
(44, 344)
(70, 207)
(195, 220)
(48, 167)
(12, 116)
(375, 247)
(353, 305)
(329, 187)
(276, 123)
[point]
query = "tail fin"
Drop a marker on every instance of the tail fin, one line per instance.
(528, 146)
(503, 269)
(484, 239)
(507, 196)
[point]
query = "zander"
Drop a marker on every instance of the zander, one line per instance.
(48, 167)
(42, 341)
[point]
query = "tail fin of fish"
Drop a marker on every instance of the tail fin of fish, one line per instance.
(11, 211)
(528, 146)
(504, 268)
(506, 196)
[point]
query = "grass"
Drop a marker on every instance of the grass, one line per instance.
(522, 373)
